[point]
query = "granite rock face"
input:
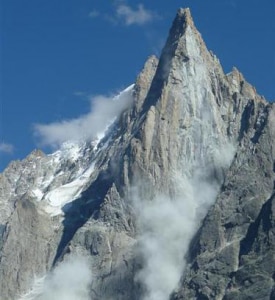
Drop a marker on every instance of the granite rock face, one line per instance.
(175, 201)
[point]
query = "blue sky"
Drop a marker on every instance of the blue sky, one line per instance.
(57, 55)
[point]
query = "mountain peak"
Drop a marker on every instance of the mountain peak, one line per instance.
(186, 38)
(185, 15)
(182, 21)
(184, 50)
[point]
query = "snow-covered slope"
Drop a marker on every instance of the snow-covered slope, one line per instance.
(58, 178)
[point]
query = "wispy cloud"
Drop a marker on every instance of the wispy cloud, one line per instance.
(131, 16)
(62, 283)
(163, 244)
(126, 14)
(86, 127)
(173, 215)
(169, 222)
(6, 148)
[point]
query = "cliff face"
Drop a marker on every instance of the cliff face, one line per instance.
(176, 200)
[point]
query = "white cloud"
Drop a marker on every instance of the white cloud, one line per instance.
(166, 228)
(6, 148)
(130, 16)
(168, 220)
(70, 280)
(86, 127)
(126, 15)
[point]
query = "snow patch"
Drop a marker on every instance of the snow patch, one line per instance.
(56, 199)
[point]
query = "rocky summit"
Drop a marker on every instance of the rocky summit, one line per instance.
(175, 200)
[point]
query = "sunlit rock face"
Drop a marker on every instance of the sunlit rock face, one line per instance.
(173, 200)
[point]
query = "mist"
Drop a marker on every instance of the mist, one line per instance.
(167, 224)
(70, 280)
(103, 112)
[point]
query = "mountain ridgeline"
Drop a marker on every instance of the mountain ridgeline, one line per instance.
(175, 201)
